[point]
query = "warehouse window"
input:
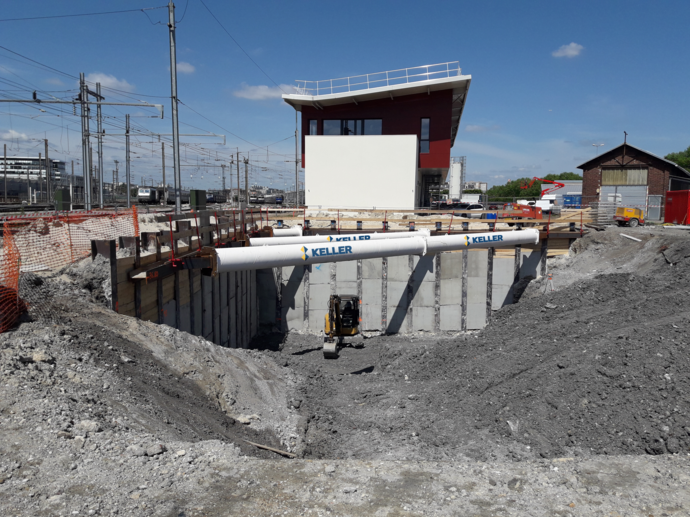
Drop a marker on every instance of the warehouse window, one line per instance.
(424, 137)
(313, 127)
(624, 177)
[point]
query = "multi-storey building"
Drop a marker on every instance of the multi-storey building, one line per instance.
(379, 140)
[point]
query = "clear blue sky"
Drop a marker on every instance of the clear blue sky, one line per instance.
(549, 79)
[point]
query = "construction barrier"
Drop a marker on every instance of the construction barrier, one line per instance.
(48, 242)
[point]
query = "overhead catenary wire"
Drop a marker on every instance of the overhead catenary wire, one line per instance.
(240, 46)
(82, 14)
(269, 168)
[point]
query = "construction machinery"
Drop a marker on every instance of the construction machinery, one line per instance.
(342, 320)
(547, 201)
(518, 212)
(629, 216)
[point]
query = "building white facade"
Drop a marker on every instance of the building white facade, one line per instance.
(362, 171)
(476, 185)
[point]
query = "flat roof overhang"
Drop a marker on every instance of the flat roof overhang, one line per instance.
(460, 85)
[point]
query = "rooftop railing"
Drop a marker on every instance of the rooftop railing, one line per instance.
(379, 79)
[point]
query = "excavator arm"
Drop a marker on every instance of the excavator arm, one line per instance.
(556, 185)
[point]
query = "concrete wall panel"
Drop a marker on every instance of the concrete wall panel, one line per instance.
(530, 264)
(346, 271)
(320, 274)
(317, 319)
(502, 295)
(476, 316)
(451, 317)
(423, 268)
(451, 265)
(424, 318)
(346, 288)
(424, 295)
(371, 269)
(504, 271)
(397, 294)
(371, 292)
(477, 263)
(371, 317)
(451, 291)
(319, 295)
(398, 269)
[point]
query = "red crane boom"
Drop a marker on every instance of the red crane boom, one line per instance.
(556, 185)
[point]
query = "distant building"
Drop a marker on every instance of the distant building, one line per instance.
(379, 140)
(632, 177)
(27, 169)
(18, 166)
(476, 185)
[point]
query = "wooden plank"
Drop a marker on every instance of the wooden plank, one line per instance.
(137, 286)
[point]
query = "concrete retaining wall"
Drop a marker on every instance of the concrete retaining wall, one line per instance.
(440, 292)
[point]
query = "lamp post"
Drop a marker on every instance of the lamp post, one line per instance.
(597, 146)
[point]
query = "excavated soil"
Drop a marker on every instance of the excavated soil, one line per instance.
(571, 402)
(597, 367)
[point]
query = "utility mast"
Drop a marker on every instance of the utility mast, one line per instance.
(173, 98)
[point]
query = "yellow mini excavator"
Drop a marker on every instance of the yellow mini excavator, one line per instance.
(342, 320)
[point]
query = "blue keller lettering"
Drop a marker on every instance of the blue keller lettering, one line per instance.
(485, 238)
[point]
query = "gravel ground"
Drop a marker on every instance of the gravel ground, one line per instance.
(573, 402)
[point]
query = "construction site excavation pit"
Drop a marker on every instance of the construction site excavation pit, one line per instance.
(572, 401)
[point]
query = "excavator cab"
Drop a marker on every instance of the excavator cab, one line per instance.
(342, 320)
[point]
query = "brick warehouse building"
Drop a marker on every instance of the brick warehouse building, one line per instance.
(632, 177)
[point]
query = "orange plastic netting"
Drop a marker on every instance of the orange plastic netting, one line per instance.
(48, 243)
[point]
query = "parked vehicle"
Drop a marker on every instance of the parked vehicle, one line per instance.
(474, 207)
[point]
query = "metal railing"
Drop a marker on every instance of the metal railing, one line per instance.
(379, 79)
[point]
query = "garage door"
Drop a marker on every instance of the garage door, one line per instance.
(634, 196)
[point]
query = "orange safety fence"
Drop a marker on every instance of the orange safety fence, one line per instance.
(49, 242)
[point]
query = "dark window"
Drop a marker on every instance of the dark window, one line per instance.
(352, 127)
(313, 127)
(373, 126)
(331, 127)
(424, 137)
(349, 127)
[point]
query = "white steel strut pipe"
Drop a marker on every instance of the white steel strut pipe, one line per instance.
(482, 240)
(311, 239)
(295, 231)
(260, 257)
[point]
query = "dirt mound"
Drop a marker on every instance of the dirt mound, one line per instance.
(599, 366)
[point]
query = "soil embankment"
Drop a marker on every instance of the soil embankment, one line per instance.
(573, 402)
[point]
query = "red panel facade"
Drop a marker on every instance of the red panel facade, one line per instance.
(400, 116)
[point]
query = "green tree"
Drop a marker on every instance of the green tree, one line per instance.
(473, 191)
(514, 189)
(682, 158)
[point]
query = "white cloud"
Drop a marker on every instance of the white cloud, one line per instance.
(262, 92)
(481, 129)
(185, 68)
(14, 135)
(109, 81)
(570, 50)
(55, 81)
